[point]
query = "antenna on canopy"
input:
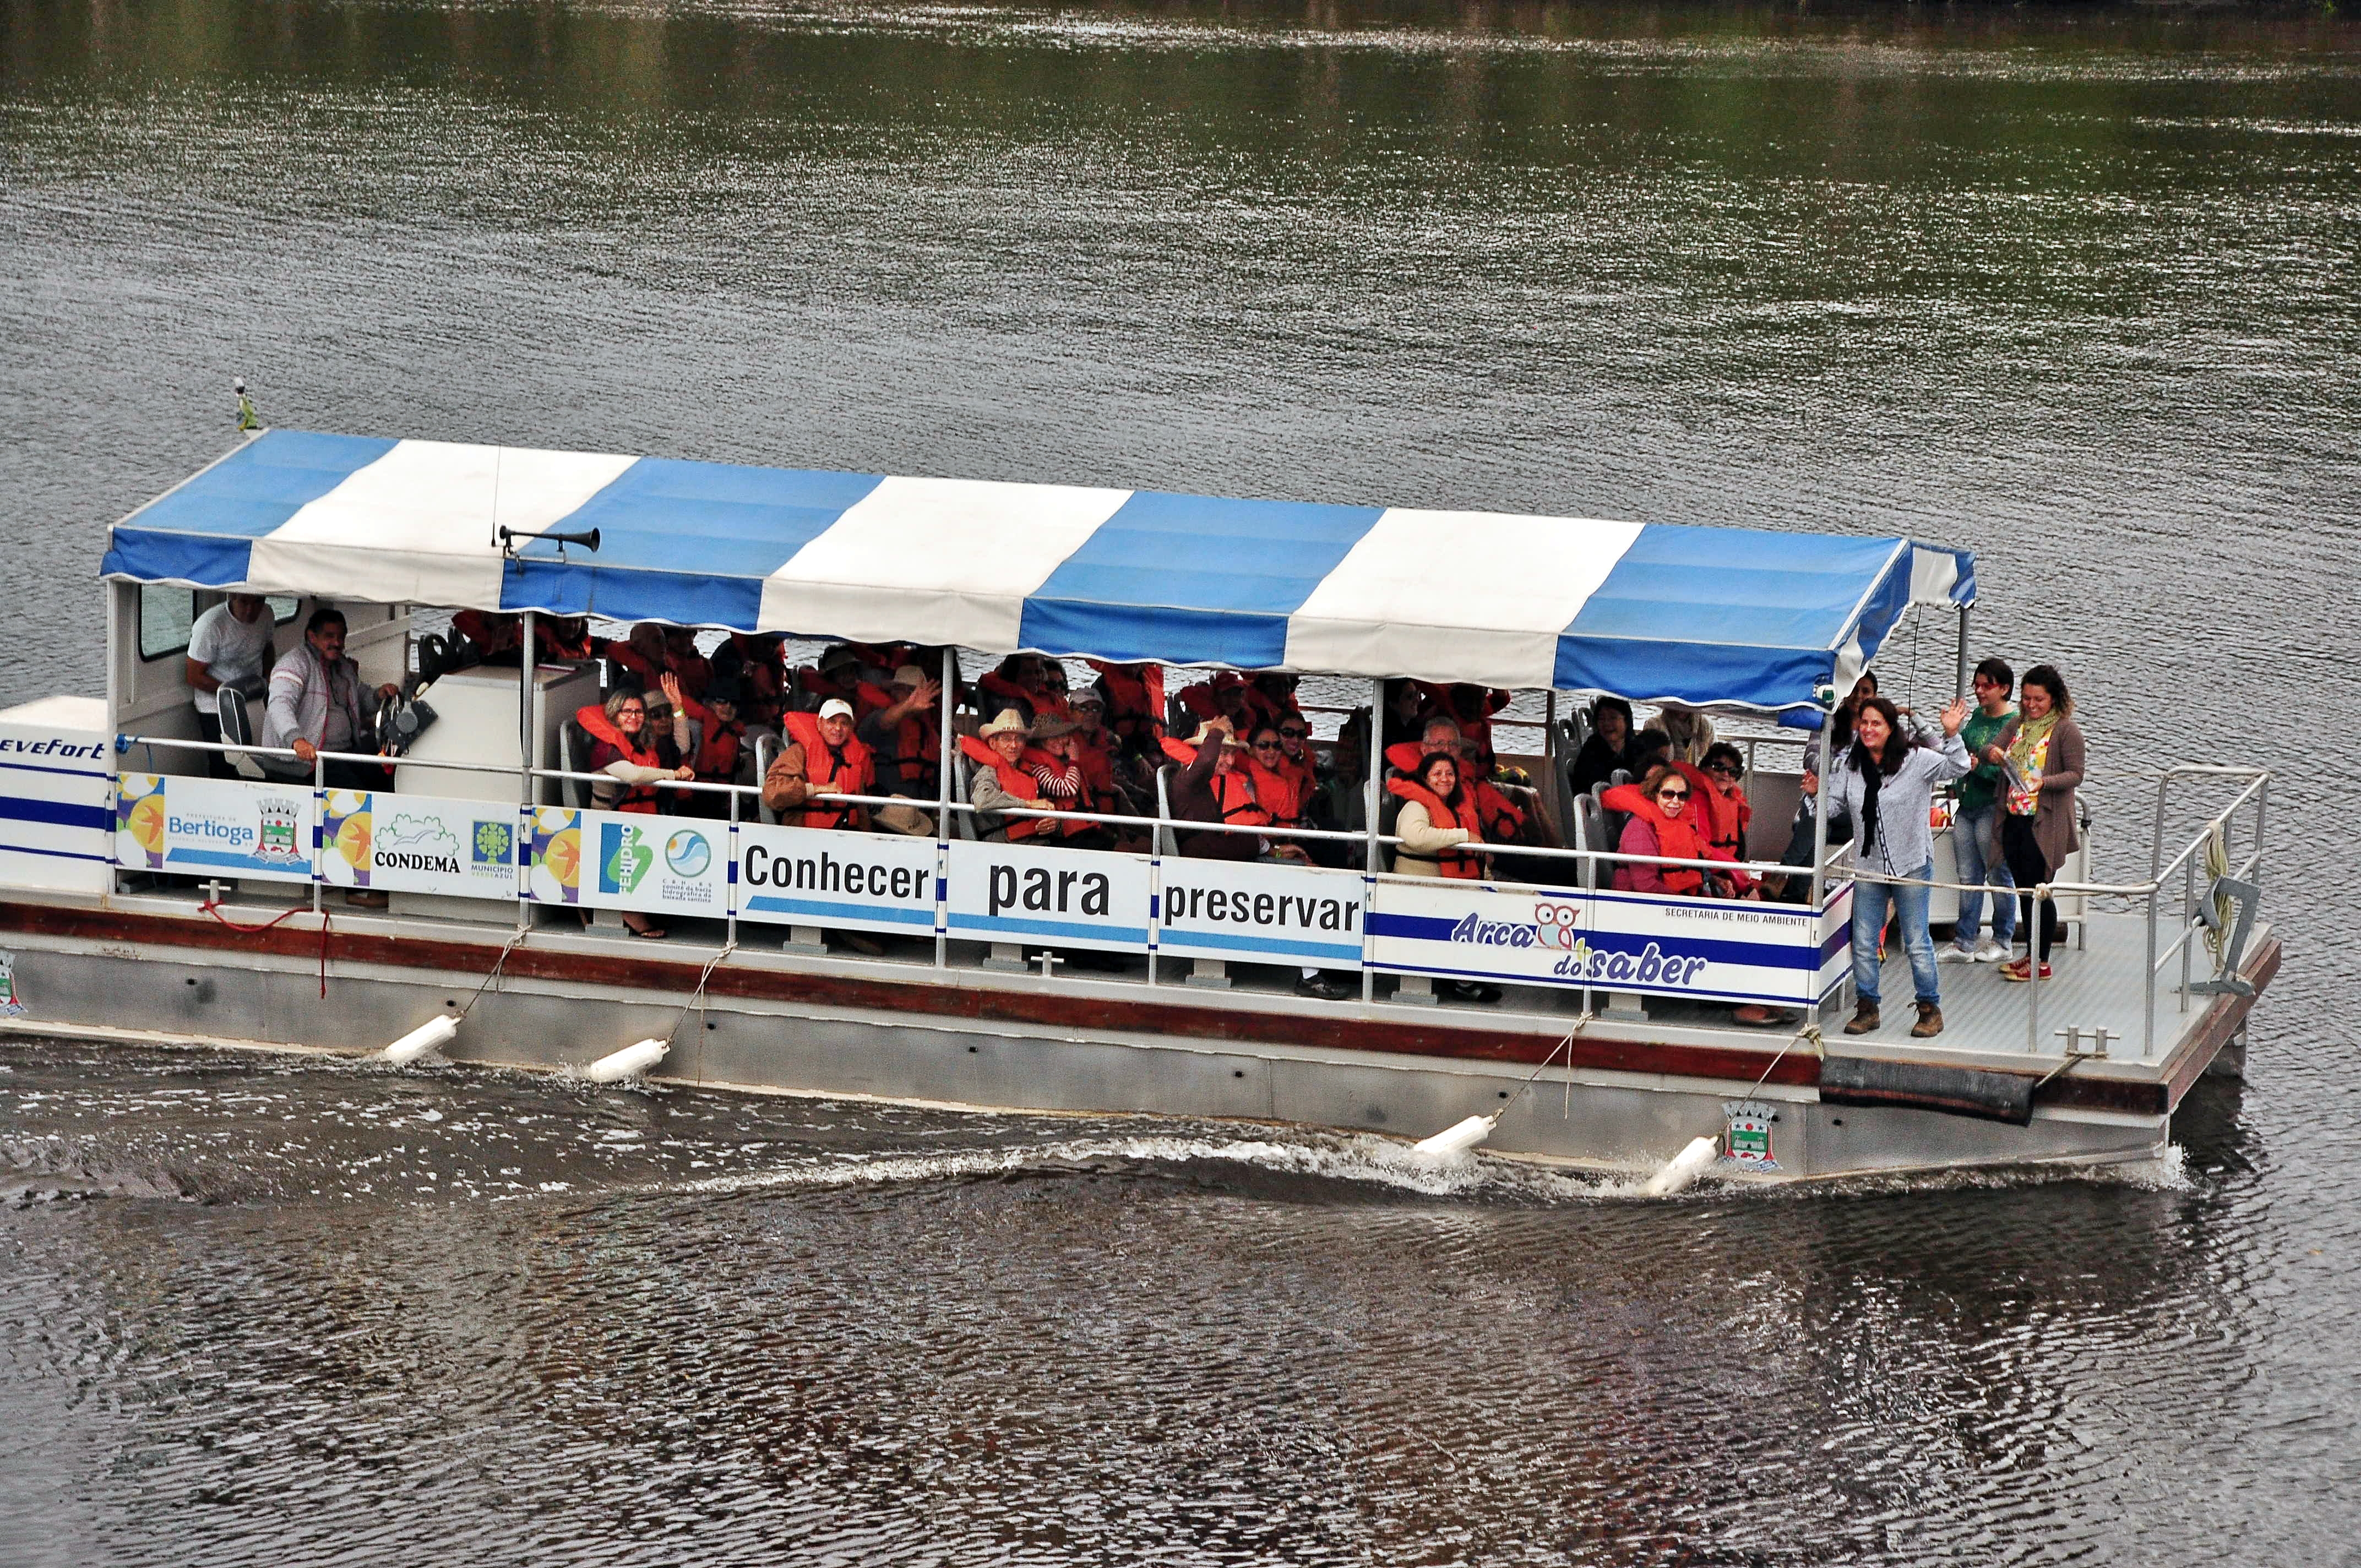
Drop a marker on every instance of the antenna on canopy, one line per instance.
(498, 533)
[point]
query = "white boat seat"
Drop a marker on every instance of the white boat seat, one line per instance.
(238, 730)
(573, 752)
(963, 822)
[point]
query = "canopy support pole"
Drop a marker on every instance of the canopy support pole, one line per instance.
(948, 749)
(1820, 821)
(1369, 798)
(1961, 688)
(528, 726)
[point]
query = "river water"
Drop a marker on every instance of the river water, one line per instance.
(2076, 287)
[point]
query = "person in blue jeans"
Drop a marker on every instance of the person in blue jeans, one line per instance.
(1886, 786)
(1972, 837)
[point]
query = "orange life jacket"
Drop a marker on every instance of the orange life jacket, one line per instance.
(1098, 768)
(598, 727)
(1135, 697)
(553, 646)
(918, 747)
(1233, 791)
(492, 633)
(1503, 819)
(1278, 789)
(1456, 863)
(1678, 837)
(1722, 818)
(716, 748)
(623, 653)
(856, 774)
(1014, 778)
(1085, 799)
(819, 688)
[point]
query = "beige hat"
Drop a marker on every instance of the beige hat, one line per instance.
(835, 706)
(909, 676)
(1206, 731)
(905, 820)
(1009, 720)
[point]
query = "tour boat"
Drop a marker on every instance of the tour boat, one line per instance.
(145, 897)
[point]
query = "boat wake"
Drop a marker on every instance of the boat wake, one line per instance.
(1384, 1166)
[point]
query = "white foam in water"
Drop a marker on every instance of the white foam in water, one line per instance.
(1352, 1157)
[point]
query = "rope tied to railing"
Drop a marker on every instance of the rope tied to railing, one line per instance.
(494, 973)
(213, 906)
(2217, 868)
(696, 997)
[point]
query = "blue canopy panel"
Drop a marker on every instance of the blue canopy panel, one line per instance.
(1702, 614)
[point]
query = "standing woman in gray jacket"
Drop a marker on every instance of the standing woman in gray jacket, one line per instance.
(2038, 826)
(1887, 786)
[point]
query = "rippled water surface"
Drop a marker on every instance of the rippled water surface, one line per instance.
(2076, 287)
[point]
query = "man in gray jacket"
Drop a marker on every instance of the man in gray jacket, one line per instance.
(318, 703)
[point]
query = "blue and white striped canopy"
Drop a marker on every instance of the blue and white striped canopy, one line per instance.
(1647, 610)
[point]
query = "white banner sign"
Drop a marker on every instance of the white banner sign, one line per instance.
(1071, 898)
(627, 859)
(258, 832)
(416, 843)
(57, 808)
(853, 881)
(1429, 926)
(1709, 948)
(1256, 913)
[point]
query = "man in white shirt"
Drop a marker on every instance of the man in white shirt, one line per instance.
(229, 646)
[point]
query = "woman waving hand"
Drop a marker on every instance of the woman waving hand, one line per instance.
(1887, 786)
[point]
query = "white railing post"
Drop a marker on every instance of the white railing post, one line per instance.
(2033, 974)
(1369, 795)
(2188, 924)
(2147, 985)
(948, 746)
(528, 732)
(730, 887)
(319, 809)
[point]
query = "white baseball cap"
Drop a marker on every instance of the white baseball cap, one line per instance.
(835, 706)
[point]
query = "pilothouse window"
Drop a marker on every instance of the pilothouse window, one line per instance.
(165, 617)
(167, 614)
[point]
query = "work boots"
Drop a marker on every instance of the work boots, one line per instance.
(1930, 1022)
(1864, 1019)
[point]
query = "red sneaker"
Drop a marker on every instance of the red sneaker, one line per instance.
(2021, 969)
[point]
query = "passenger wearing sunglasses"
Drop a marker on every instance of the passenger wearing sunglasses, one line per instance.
(1295, 741)
(1283, 794)
(1720, 809)
(1662, 823)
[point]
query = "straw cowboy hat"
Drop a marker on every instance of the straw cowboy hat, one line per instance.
(1009, 720)
(904, 819)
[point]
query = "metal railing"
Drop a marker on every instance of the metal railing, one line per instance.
(2190, 917)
